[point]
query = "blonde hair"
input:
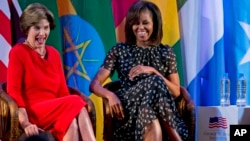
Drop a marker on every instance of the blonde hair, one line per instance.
(33, 14)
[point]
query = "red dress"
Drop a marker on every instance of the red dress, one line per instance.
(39, 86)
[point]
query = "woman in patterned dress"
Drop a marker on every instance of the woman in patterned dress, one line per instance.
(149, 79)
(35, 80)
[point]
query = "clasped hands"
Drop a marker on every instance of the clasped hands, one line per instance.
(140, 69)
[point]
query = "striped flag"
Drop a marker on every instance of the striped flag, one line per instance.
(215, 39)
(217, 122)
(203, 48)
(16, 11)
(5, 38)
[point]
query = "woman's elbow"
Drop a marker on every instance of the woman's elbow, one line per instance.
(93, 84)
(177, 93)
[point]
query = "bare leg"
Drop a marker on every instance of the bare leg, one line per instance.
(153, 131)
(72, 133)
(172, 133)
(85, 126)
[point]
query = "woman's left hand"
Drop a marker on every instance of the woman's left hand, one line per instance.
(140, 69)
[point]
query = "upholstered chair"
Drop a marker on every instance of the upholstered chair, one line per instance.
(10, 130)
(184, 105)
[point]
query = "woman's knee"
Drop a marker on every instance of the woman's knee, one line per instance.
(73, 125)
(84, 112)
(83, 115)
(154, 127)
(153, 131)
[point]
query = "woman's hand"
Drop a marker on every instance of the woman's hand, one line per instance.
(114, 102)
(31, 129)
(115, 106)
(139, 69)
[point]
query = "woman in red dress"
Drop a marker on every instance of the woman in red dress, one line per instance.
(36, 82)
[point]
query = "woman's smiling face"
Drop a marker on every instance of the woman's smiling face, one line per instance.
(143, 28)
(38, 34)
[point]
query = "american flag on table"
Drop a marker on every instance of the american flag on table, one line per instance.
(217, 122)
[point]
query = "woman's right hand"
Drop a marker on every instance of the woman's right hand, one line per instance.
(31, 129)
(116, 106)
(96, 87)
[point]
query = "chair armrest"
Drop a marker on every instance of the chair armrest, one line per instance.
(8, 116)
(186, 108)
(108, 120)
(113, 86)
(90, 105)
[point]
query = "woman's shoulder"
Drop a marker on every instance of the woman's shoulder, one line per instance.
(18, 48)
(167, 52)
(22, 47)
(52, 49)
(166, 49)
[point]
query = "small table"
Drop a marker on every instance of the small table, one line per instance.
(214, 121)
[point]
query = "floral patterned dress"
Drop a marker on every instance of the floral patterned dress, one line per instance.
(146, 97)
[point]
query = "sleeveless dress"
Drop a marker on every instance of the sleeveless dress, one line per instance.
(146, 97)
(39, 86)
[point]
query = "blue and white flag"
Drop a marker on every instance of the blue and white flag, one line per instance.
(202, 45)
(237, 42)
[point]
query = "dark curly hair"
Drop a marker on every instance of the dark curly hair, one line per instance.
(133, 16)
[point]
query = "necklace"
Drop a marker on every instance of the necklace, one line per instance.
(42, 55)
